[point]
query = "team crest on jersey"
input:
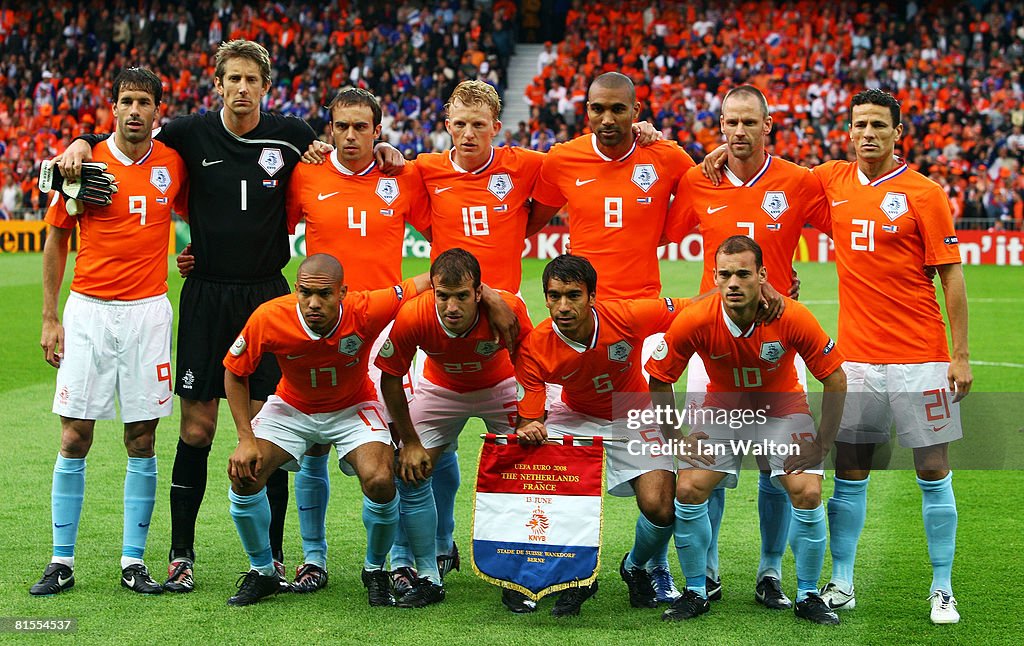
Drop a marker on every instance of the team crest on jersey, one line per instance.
(238, 347)
(188, 379)
(619, 351)
(500, 185)
(894, 205)
(160, 177)
(387, 189)
(486, 348)
(272, 160)
(644, 176)
(772, 351)
(775, 203)
(661, 351)
(350, 345)
(829, 347)
(388, 349)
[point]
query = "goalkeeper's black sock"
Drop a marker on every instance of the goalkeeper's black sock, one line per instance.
(188, 486)
(277, 495)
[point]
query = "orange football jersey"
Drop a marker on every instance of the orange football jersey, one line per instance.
(483, 211)
(122, 251)
(886, 233)
(603, 378)
(772, 207)
(318, 374)
(751, 369)
(618, 209)
(359, 218)
(470, 361)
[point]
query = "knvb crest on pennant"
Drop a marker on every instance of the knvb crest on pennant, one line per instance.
(772, 351)
(160, 178)
(272, 160)
(644, 176)
(350, 345)
(775, 203)
(387, 189)
(538, 524)
(619, 351)
(894, 205)
(500, 185)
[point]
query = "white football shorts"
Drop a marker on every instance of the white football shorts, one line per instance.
(116, 349)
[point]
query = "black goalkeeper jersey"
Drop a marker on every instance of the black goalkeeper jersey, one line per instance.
(237, 188)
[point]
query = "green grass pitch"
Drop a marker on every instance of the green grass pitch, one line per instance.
(893, 573)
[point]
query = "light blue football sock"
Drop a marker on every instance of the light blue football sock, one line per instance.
(252, 520)
(773, 512)
(380, 521)
(401, 554)
(938, 507)
(807, 537)
(312, 492)
(419, 523)
(139, 497)
(693, 533)
(847, 509)
(660, 557)
(647, 541)
(66, 495)
(446, 477)
(716, 509)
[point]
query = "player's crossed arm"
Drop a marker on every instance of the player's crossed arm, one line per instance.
(531, 431)
(414, 464)
(245, 462)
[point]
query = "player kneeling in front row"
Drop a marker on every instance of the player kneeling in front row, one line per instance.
(467, 374)
(751, 371)
(115, 338)
(321, 336)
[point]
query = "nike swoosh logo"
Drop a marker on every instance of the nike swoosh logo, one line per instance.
(143, 526)
(438, 190)
(59, 526)
(838, 202)
(716, 210)
(936, 429)
(584, 182)
(301, 508)
(61, 581)
(164, 401)
(719, 356)
(570, 374)
(130, 581)
(836, 606)
(294, 356)
(206, 163)
(322, 196)
(178, 486)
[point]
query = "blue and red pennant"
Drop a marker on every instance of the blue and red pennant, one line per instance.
(537, 514)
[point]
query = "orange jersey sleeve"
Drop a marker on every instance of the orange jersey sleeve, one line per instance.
(318, 374)
(772, 208)
(602, 378)
(750, 368)
(123, 247)
(357, 218)
(483, 211)
(618, 209)
(886, 233)
(463, 363)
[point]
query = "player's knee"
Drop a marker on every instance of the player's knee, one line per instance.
(198, 426)
(379, 487)
(140, 439)
(805, 497)
(689, 492)
(660, 513)
(75, 437)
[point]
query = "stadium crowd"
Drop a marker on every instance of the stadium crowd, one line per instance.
(955, 68)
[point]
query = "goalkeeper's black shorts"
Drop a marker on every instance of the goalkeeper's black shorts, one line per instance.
(210, 316)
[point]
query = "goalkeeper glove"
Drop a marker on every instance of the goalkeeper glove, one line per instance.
(95, 186)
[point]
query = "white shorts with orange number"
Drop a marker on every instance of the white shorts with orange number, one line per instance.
(914, 395)
(280, 423)
(775, 439)
(440, 414)
(626, 460)
(115, 348)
